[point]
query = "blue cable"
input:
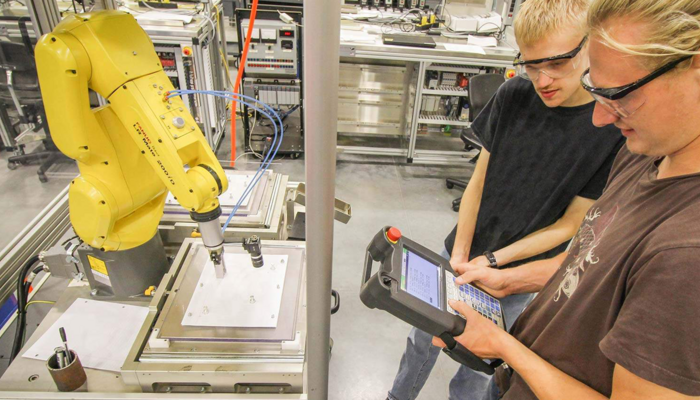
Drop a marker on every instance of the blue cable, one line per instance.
(277, 142)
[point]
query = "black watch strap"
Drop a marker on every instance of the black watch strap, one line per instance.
(492, 259)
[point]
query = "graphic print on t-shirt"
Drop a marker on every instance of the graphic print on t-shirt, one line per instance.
(588, 238)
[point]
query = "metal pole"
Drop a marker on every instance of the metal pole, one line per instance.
(44, 15)
(418, 102)
(110, 5)
(321, 61)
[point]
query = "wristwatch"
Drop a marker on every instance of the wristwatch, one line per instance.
(492, 259)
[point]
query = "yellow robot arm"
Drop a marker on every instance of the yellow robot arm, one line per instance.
(132, 151)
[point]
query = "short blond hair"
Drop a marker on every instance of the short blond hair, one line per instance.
(672, 31)
(539, 18)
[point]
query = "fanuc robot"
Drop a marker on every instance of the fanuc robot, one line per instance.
(130, 152)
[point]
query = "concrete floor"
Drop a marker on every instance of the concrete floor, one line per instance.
(382, 191)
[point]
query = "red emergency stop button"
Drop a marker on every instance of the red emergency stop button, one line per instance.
(510, 74)
(393, 234)
(187, 51)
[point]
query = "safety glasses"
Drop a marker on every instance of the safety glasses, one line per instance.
(555, 67)
(623, 101)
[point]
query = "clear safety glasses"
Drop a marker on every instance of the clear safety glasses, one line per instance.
(554, 67)
(623, 101)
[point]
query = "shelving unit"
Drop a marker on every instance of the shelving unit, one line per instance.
(370, 90)
(435, 150)
(441, 120)
(446, 91)
(470, 69)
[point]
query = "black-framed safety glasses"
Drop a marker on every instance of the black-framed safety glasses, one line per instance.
(621, 100)
(554, 67)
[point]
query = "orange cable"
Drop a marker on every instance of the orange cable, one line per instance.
(239, 77)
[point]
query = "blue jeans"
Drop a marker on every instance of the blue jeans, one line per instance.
(420, 357)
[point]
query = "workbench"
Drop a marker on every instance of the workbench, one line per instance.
(382, 88)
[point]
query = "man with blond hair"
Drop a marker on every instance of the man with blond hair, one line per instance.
(542, 165)
(618, 317)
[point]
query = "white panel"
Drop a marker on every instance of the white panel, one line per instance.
(282, 95)
(246, 297)
(100, 332)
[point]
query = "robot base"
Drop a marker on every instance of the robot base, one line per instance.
(125, 274)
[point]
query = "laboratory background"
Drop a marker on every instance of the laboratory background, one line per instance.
(196, 192)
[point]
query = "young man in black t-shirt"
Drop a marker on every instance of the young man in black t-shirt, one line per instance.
(542, 166)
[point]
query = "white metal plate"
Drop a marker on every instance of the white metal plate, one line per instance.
(237, 184)
(100, 332)
(246, 297)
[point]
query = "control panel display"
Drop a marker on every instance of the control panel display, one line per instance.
(420, 278)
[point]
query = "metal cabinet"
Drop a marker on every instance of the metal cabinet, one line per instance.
(373, 105)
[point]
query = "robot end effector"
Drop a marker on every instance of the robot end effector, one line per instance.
(213, 238)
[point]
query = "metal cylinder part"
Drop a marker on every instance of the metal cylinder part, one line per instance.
(211, 233)
(213, 240)
(69, 378)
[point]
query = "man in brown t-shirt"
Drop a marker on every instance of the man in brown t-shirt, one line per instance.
(618, 315)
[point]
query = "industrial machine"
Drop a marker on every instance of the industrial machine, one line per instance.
(130, 152)
(192, 343)
(415, 284)
(274, 356)
(245, 333)
(272, 74)
(245, 328)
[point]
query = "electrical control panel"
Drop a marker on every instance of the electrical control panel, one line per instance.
(273, 50)
(508, 10)
(395, 4)
(273, 72)
(447, 89)
(179, 66)
(277, 94)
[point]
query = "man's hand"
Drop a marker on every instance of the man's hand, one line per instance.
(478, 272)
(457, 259)
(459, 264)
(481, 336)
